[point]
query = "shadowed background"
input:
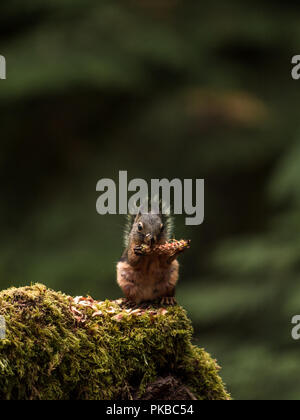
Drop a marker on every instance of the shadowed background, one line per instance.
(166, 88)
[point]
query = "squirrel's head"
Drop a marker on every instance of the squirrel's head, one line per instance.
(148, 229)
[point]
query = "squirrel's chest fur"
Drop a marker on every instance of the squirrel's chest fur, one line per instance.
(152, 269)
(148, 272)
(152, 277)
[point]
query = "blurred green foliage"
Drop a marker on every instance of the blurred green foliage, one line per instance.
(162, 89)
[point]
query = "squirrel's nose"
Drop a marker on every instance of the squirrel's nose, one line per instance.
(150, 239)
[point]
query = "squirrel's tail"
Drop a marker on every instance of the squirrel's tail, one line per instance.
(127, 228)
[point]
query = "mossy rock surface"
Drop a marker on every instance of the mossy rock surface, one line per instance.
(115, 354)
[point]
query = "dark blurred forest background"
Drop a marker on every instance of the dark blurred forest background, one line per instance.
(161, 88)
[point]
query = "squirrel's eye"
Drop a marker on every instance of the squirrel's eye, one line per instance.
(140, 227)
(162, 227)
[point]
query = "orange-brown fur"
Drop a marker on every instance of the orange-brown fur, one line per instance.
(152, 278)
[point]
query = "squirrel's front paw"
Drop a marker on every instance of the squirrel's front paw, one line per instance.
(140, 250)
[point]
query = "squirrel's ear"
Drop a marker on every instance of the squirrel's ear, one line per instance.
(137, 217)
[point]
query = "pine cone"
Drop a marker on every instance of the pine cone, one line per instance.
(172, 247)
(168, 249)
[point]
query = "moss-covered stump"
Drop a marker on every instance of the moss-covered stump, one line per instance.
(59, 348)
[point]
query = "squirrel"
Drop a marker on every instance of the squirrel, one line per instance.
(144, 276)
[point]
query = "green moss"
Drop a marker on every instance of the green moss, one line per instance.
(47, 355)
